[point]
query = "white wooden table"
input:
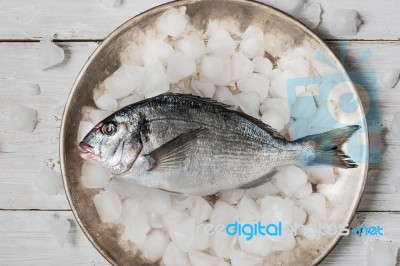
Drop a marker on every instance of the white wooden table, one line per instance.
(79, 26)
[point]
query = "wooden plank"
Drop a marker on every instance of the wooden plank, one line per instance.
(26, 240)
(352, 250)
(27, 153)
(77, 20)
(378, 18)
(23, 154)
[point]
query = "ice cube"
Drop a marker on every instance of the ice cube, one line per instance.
(232, 196)
(262, 65)
(49, 54)
(49, 181)
(59, 226)
(277, 104)
(289, 179)
(299, 215)
(136, 230)
(32, 89)
(259, 245)
(172, 216)
(223, 213)
(156, 51)
(155, 245)
(130, 209)
(124, 81)
(23, 118)
(216, 69)
(284, 242)
(183, 233)
(199, 258)
(315, 205)
(303, 191)
(382, 253)
(275, 209)
(201, 210)
(157, 201)
(97, 115)
(108, 206)
(248, 209)
(304, 107)
(343, 22)
(320, 174)
(173, 22)
(181, 202)
(205, 89)
(106, 103)
(298, 66)
(395, 126)
(252, 44)
(84, 128)
(110, 3)
(179, 66)
(258, 83)
(278, 85)
(191, 45)
(201, 238)
(130, 100)
(155, 221)
(155, 81)
(308, 231)
(127, 189)
(241, 66)
(311, 15)
(265, 189)
(240, 258)
(275, 119)
(212, 67)
(289, 6)
(174, 256)
(224, 95)
(248, 102)
(221, 43)
(390, 78)
(94, 175)
(133, 55)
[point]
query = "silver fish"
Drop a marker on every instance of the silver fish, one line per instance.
(191, 145)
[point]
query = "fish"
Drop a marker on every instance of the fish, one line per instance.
(190, 145)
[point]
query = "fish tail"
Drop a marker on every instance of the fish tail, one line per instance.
(326, 148)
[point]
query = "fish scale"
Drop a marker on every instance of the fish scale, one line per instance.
(191, 145)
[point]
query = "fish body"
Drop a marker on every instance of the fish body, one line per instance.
(191, 145)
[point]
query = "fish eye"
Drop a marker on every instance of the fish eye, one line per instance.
(108, 129)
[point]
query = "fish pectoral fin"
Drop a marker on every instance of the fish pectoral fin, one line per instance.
(171, 154)
(259, 181)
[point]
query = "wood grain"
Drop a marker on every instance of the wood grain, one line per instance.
(24, 154)
(77, 20)
(26, 240)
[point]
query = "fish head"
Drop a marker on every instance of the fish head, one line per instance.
(115, 142)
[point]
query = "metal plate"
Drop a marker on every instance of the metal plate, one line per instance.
(105, 60)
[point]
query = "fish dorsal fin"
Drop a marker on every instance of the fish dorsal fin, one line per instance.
(273, 132)
(171, 154)
(199, 99)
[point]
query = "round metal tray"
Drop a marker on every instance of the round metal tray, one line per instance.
(105, 60)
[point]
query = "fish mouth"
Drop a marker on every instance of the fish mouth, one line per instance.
(88, 152)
